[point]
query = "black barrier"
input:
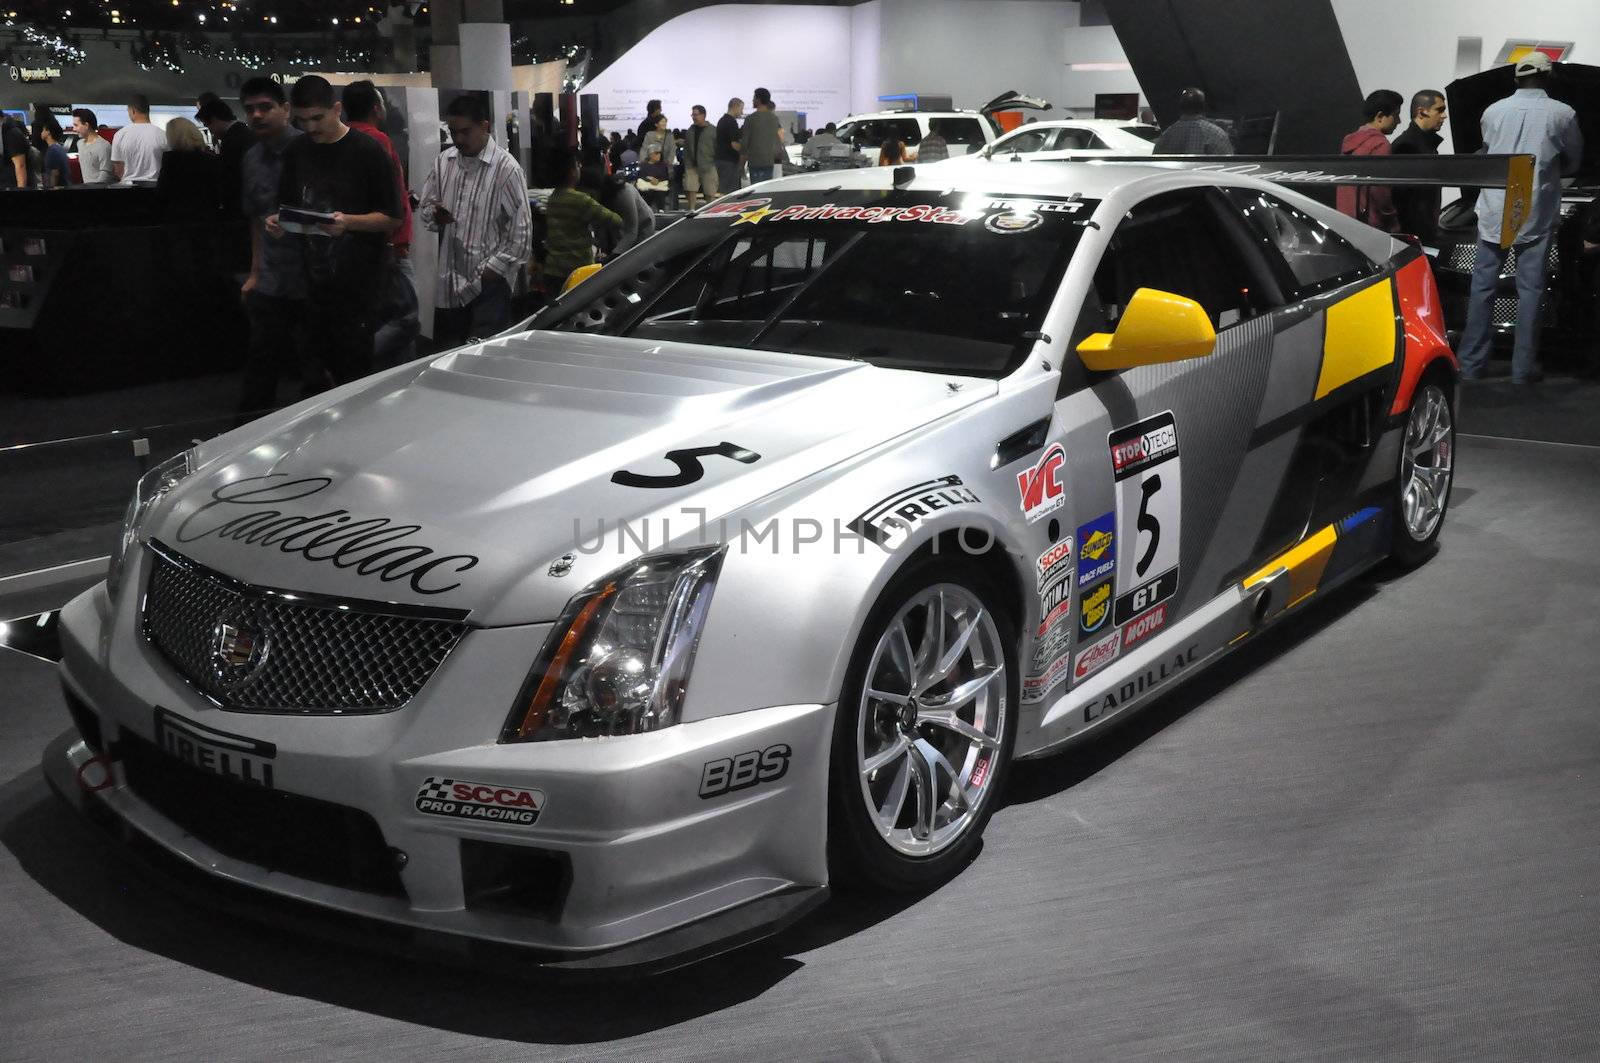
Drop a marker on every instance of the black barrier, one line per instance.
(100, 288)
(62, 499)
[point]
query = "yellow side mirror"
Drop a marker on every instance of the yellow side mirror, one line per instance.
(579, 275)
(1156, 327)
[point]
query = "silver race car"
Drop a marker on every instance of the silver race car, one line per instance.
(750, 565)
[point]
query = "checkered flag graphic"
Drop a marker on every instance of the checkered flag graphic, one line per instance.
(435, 789)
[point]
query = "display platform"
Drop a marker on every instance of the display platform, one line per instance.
(1370, 835)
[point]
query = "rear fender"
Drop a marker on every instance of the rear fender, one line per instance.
(1422, 315)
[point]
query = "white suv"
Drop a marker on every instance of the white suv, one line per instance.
(966, 132)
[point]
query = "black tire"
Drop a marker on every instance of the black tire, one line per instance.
(858, 855)
(1411, 548)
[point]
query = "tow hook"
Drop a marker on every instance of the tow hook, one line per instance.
(96, 774)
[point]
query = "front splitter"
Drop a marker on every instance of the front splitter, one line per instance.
(658, 954)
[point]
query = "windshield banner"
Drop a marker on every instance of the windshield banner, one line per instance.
(1003, 216)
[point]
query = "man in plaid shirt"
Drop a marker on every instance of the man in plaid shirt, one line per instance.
(1193, 133)
(476, 198)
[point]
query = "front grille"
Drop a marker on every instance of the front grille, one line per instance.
(1461, 258)
(1552, 261)
(299, 836)
(310, 656)
(1504, 313)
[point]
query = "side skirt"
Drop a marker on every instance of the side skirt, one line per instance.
(1319, 564)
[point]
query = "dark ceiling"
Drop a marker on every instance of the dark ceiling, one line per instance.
(253, 16)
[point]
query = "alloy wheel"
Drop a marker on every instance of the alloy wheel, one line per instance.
(932, 715)
(1427, 463)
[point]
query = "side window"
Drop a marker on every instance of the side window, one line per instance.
(966, 131)
(1074, 139)
(1316, 258)
(1025, 142)
(1179, 242)
(1097, 144)
(867, 135)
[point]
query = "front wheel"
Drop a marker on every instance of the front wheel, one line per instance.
(924, 731)
(1427, 470)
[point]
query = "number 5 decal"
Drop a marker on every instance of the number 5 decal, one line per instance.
(689, 468)
(1148, 524)
(1149, 490)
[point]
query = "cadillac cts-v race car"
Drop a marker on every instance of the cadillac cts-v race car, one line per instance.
(751, 564)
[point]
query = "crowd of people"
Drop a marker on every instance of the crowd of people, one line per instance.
(1529, 122)
(702, 159)
(330, 290)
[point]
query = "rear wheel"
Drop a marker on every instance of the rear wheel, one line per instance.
(1427, 470)
(924, 730)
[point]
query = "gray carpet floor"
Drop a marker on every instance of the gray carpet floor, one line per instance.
(1373, 834)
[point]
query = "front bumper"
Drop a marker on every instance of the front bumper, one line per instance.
(651, 872)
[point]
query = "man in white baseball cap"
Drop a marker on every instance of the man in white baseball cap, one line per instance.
(1528, 122)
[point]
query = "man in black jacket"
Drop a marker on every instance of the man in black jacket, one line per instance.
(1418, 208)
(730, 146)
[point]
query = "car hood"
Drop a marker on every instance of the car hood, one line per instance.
(1574, 84)
(459, 483)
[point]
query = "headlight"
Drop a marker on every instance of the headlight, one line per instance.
(618, 660)
(152, 485)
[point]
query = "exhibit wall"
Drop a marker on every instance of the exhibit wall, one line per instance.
(802, 53)
(832, 61)
(1407, 47)
(973, 50)
(866, 59)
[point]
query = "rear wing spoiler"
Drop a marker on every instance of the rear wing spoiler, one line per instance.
(1514, 173)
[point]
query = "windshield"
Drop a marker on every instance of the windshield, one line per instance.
(1143, 132)
(955, 283)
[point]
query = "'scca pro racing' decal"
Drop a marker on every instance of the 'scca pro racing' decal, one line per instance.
(481, 801)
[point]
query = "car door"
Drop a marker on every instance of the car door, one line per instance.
(1323, 412)
(1156, 451)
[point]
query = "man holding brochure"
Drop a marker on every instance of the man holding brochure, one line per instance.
(339, 201)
